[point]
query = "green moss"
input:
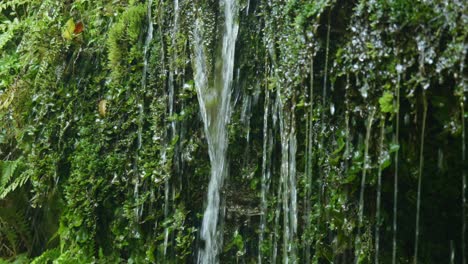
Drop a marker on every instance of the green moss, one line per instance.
(386, 102)
(124, 41)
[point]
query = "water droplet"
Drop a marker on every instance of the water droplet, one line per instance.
(407, 119)
(399, 68)
(440, 159)
(364, 90)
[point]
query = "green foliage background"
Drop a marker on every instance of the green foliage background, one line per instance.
(358, 85)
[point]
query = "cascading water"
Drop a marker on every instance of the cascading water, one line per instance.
(420, 174)
(266, 156)
(464, 205)
(167, 185)
(308, 163)
(365, 165)
(149, 37)
(382, 158)
(215, 108)
(287, 232)
(399, 70)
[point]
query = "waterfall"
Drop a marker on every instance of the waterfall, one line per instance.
(395, 183)
(308, 164)
(381, 159)
(266, 156)
(420, 174)
(215, 109)
(172, 58)
(149, 37)
(358, 242)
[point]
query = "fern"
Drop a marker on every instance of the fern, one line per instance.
(9, 183)
(7, 169)
(15, 231)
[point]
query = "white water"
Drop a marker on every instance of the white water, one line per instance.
(358, 246)
(464, 204)
(308, 163)
(215, 108)
(171, 72)
(421, 168)
(149, 37)
(167, 185)
(381, 159)
(395, 183)
(266, 156)
(288, 181)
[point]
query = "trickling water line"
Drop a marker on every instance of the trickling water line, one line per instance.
(215, 107)
(309, 168)
(452, 253)
(171, 71)
(276, 228)
(363, 183)
(395, 183)
(322, 129)
(167, 185)
(347, 132)
(149, 37)
(288, 180)
(464, 204)
(284, 179)
(421, 167)
(293, 191)
(265, 176)
(379, 190)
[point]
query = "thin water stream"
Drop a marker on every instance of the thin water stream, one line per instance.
(365, 165)
(420, 175)
(379, 190)
(215, 105)
(395, 183)
(266, 156)
(308, 163)
(140, 105)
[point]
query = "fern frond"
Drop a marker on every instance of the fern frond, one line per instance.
(7, 169)
(9, 183)
(15, 231)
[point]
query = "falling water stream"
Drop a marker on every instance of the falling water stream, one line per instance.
(308, 163)
(382, 158)
(149, 37)
(363, 182)
(172, 134)
(266, 156)
(464, 205)
(421, 167)
(399, 69)
(215, 108)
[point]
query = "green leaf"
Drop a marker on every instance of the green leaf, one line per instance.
(386, 102)
(68, 30)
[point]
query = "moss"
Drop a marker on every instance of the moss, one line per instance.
(124, 41)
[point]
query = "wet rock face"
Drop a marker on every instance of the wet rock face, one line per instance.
(248, 131)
